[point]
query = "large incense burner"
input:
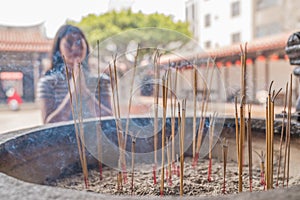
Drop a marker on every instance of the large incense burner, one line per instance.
(43, 154)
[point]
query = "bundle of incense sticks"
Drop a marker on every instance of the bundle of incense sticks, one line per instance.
(204, 106)
(116, 106)
(262, 167)
(79, 131)
(241, 136)
(270, 136)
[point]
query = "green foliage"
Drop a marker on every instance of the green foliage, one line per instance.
(101, 27)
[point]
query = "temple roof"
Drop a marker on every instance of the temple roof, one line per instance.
(24, 39)
(267, 46)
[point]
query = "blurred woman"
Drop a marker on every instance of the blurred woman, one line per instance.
(70, 49)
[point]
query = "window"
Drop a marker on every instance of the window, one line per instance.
(262, 4)
(267, 29)
(207, 20)
(207, 44)
(235, 38)
(235, 9)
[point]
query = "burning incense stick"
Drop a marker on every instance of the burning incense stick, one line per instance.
(211, 137)
(243, 72)
(194, 108)
(79, 143)
(236, 128)
(225, 151)
(130, 96)
(241, 144)
(179, 133)
(156, 94)
(120, 131)
(164, 91)
(268, 138)
(169, 170)
(132, 162)
(282, 132)
(272, 133)
(249, 136)
(182, 133)
(205, 95)
(289, 129)
(172, 153)
(75, 122)
(173, 113)
(114, 85)
(99, 125)
(262, 167)
(81, 130)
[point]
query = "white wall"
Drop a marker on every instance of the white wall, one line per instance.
(222, 24)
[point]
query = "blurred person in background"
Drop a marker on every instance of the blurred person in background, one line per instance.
(70, 49)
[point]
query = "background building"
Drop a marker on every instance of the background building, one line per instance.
(221, 27)
(23, 51)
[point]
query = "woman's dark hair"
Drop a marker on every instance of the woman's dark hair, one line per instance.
(57, 63)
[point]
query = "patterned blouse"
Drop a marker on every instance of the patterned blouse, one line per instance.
(54, 87)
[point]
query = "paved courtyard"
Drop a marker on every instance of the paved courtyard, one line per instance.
(28, 116)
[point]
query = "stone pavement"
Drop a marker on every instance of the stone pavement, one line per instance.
(28, 116)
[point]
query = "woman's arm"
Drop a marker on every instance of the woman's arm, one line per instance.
(54, 99)
(51, 113)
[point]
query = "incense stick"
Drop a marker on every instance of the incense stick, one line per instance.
(120, 131)
(282, 132)
(268, 138)
(289, 129)
(241, 145)
(130, 97)
(81, 130)
(132, 162)
(182, 133)
(169, 170)
(211, 132)
(173, 106)
(156, 94)
(236, 128)
(249, 136)
(113, 78)
(225, 151)
(195, 109)
(164, 91)
(99, 125)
